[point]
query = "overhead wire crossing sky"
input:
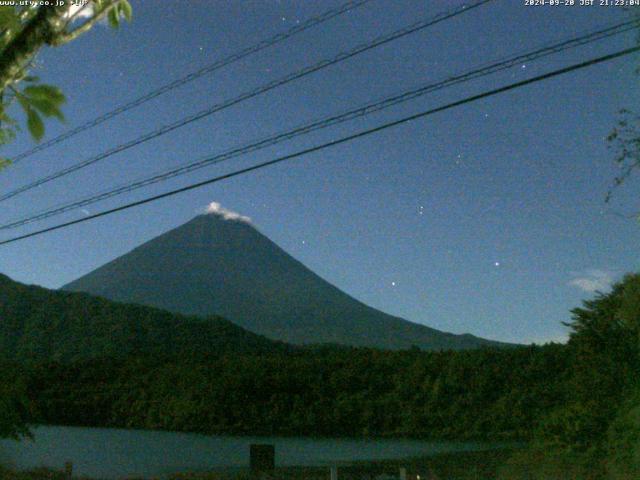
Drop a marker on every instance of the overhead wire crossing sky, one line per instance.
(341, 57)
(542, 52)
(490, 93)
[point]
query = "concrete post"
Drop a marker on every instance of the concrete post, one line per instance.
(68, 470)
(262, 459)
(333, 472)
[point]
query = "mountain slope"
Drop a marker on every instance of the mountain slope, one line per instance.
(41, 324)
(220, 265)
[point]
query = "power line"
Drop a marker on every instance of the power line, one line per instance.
(367, 109)
(382, 40)
(333, 143)
(223, 62)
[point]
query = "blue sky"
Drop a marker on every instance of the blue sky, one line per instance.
(488, 218)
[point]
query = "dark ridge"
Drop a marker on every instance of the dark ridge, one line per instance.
(226, 267)
(41, 324)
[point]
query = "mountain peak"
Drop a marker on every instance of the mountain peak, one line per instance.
(219, 264)
(215, 208)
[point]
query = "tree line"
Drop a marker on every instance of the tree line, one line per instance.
(581, 398)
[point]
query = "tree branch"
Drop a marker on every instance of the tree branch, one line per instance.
(37, 32)
(65, 37)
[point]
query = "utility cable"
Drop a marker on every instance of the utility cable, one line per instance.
(382, 40)
(333, 143)
(223, 62)
(362, 111)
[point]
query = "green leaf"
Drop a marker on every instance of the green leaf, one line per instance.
(47, 108)
(22, 100)
(37, 100)
(35, 124)
(8, 18)
(126, 10)
(10, 24)
(46, 99)
(45, 92)
(114, 20)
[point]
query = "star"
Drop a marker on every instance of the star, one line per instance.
(393, 284)
(497, 264)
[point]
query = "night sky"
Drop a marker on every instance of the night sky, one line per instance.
(488, 218)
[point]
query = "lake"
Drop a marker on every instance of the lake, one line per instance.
(115, 453)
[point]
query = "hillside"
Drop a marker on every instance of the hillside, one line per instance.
(42, 324)
(217, 265)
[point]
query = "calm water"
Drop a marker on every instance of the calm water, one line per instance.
(113, 453)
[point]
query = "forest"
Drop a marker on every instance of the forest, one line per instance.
(329, 391)
(43, 325)
(582, 398)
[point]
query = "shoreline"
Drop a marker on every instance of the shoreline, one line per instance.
(451, 465)
(511, 439)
